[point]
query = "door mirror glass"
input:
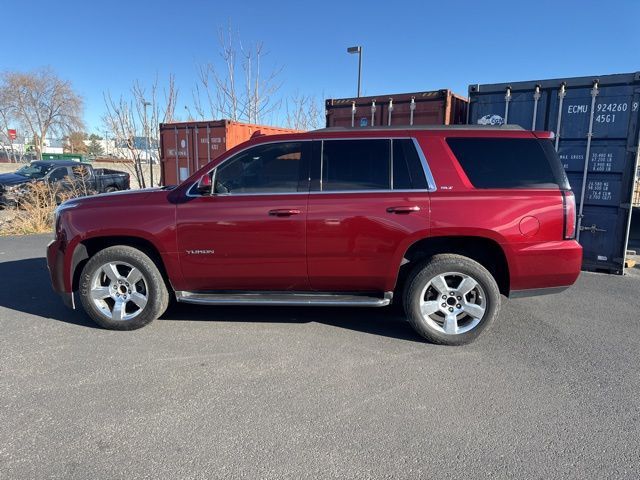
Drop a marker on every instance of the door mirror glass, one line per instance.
(204, 184)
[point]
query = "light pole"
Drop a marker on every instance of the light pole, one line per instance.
(146, 132)
(358, 50)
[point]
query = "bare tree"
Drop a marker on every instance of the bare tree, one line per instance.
(42, 103)
(133, 118)
(236, 88)
(303, 112)
(121, 123)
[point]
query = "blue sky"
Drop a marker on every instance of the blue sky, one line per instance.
(408, 45)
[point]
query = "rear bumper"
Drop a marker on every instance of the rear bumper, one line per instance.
(548, 267)
(536, 292)
(55, 264)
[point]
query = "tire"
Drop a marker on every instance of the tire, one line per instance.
(448, 319)
(126, 297)
(110, 189)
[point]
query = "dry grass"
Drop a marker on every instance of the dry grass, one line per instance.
(35, 212)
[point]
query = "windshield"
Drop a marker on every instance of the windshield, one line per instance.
(34, 171)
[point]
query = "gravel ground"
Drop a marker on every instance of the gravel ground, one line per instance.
(551, 391)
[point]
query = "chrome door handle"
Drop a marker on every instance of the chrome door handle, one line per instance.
(284, 212)
(403, 209)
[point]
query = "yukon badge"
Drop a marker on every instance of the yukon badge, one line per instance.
(200, 252)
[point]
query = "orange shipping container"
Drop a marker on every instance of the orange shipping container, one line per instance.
(186, 147)
(440, 107)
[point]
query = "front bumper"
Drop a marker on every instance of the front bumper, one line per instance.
(55, 264)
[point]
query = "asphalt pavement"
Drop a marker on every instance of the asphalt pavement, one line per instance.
(551, 391)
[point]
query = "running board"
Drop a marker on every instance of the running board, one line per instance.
(284, 298)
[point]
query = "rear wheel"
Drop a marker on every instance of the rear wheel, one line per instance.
(121, 288)
(451, 299)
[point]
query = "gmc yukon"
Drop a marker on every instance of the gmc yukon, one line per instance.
(440, 220)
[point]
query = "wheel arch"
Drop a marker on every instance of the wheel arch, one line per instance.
(487, 252)
(90, 246)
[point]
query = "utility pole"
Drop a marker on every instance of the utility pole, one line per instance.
(146, 132)
(358, 50)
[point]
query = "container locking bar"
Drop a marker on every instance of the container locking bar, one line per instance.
(390, 110)
(353, 114)
(412, 108)
(561, 94)
(373, 111)
(536, 97)
(507, 100)
(594, 94)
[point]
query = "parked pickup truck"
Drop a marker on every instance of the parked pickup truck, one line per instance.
(440, 220)
(65, 175)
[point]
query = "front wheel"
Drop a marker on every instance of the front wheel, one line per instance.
(121, 288)
(451, 299)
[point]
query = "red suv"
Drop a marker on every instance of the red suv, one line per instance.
(441, 220)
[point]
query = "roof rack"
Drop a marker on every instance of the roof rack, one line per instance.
(423, 127)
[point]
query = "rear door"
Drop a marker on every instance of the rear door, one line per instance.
(370, 197)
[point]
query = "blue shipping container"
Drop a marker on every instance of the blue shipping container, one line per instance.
(597, 125)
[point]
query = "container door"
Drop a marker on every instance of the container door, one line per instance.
(597, 135)
(250, 233)
(608, 135)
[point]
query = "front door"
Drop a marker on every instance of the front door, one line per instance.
(249, 233)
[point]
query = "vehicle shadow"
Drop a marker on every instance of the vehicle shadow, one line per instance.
(385, 322)
(28, 290)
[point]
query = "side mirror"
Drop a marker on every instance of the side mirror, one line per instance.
(204, 184)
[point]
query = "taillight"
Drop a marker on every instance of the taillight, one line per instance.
(569, 206)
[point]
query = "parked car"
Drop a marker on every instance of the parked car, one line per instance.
(65, 174)
(441, 220)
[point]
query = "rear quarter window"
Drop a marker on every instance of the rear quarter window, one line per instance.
(509, 162)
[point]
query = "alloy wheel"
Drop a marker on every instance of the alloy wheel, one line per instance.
(119, 291)
(453, 303)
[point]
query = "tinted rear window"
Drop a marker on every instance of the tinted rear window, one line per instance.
(408, 173)
(509, 162)
(356, 165)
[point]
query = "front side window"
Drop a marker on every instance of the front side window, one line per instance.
(356, 165)
(58, 174)
(271, 168)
